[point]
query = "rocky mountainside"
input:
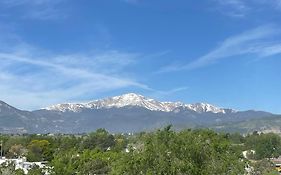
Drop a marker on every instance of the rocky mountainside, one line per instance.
(13, 120)
(126, 113)
(132, 99)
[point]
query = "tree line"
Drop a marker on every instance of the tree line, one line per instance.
(162, 152)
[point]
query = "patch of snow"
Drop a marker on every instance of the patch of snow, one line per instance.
(132, 99)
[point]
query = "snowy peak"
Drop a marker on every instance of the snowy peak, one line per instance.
(132, 99)
(205, 107)
(74, 107)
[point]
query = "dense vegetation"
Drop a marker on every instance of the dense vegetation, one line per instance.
(194, 152)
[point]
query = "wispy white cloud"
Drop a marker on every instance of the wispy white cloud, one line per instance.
(167, 94)
(242, 8)
(274, 4)
(31, 2)
(259, 42)
(36, 9)
(271, 50)
(233, 8)
(131, 1)
(32, 78)
(171, 91)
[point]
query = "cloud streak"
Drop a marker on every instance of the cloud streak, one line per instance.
(131, 1)
(241, 8)
(37, 78)
(32, 78)
(259, 42)
(233, 8)
(35, 9)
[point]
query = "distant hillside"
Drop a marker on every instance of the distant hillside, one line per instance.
(268, 124)
(131, 113)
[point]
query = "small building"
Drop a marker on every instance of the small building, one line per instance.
(277, 163)
(21, 163)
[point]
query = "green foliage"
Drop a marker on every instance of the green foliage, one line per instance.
(163, 152)
(265, 145)
(10, 142)
(16, 151)
(35, 170)
(121, 142)
(100, 139)
(67, 142)
(9, 169)
(39, 150)
(236, 138)
(65, 163)
(86, 162)
(264, 167)
(187, 152)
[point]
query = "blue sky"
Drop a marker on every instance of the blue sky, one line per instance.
(223, 52)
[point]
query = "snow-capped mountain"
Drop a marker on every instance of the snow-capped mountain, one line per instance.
(205, 107)
(132, 99)
(126, 113)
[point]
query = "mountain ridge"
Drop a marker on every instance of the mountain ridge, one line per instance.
(124, 113)
(132, 99)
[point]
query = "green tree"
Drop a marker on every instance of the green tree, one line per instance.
(9, 169)
(100, 139)
(87, 162)
(16, 151)
(35, 170)
(265, 145)
(39, 150)
(187, 152)
(264, 167)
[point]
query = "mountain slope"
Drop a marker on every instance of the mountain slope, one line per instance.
(265, 125)
(125, 113)
(13, 120)
(132, 112)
